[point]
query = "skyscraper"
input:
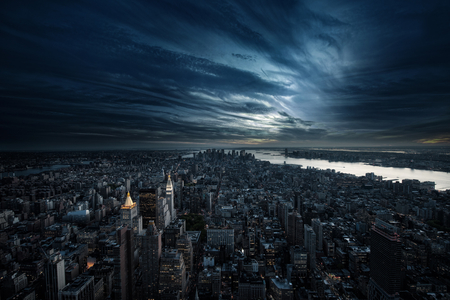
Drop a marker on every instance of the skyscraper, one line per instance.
(318, 230)
(385, 261)
(295, 228)
(180, 185)
(163, 215)
(55, 276)
(172, 275)
(184, 245)
(299, 258)
(128, 184)
(173, 232)
(169, 199)
(129, 215)
(120, 252)
(310, 245)
(150, 257)
(148, 199)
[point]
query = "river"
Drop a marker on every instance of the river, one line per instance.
(442, 179)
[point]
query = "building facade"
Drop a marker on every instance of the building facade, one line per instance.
(129, 215)
(385, 261)
(310, 245)
(172, 275)
(221, 237)
(318, 230)
(55, 276)
(148, 199)
(149, 259)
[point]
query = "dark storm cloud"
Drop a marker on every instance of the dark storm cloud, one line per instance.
(106, 74)
(245, 57)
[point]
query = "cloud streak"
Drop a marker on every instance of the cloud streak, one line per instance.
(100, 74)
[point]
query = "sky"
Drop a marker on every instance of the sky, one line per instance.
(130, 74)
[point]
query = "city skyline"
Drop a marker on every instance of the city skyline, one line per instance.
(137, 74)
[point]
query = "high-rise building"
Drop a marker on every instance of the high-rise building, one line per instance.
(209, 202)
(172, 275)
(147, 205)
(310, 245)
(299, 259)
(251, 242)
(105, 271)
(184, 245)
(295, 229)
(129, 215)
(121, 253)
(169, 199)
(55, 276)
(163, 217)
(318, 230)
(221, 237)
(173, 232)
(149, 259)
(148, 202)
(179, 189)
(284, 208)
(385, 261)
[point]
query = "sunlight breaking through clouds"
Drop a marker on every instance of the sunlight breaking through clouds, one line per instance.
(314, 71)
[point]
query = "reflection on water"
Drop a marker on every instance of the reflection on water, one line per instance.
(442, 179)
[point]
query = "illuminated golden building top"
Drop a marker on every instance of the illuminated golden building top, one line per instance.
(129, 204)
(169, 184)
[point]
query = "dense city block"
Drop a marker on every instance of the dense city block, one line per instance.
(217, 224)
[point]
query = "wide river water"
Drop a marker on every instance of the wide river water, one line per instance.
(442, 179)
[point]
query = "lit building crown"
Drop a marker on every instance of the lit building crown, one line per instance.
(129, 204)
(169, 184)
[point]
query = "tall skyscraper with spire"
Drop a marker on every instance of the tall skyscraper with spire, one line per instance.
(129, 215)
(169, 199)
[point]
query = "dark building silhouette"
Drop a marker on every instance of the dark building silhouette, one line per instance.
(147, 205)
(310, 245)
(184, 245)
(150, 257)
(120, 253)
(251, 286)
(385, 261)
(295, 229)
(55, 278)
(172, 275)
